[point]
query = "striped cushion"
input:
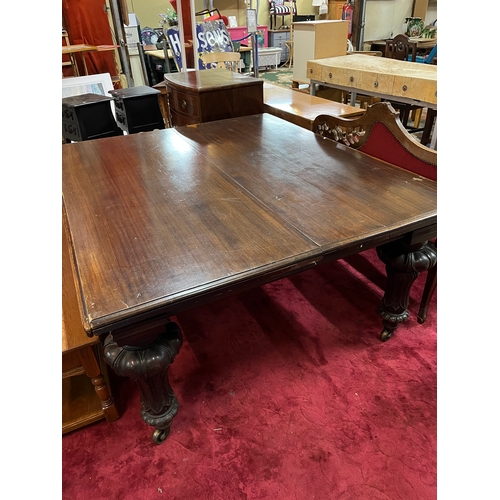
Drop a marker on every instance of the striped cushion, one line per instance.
(278, 8)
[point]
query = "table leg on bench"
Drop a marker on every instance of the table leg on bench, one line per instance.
(403, 264)
(147, 365)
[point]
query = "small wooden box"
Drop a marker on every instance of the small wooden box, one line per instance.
(212, 94)
(138, 109)
(88, 116)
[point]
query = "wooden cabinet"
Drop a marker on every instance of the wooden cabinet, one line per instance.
(335, 10)
(277, 38)
(316, 40)
(86, 395)
(212, 94)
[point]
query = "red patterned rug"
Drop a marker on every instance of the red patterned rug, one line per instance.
(285, 392)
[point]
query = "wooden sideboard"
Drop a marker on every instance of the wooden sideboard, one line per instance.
(215, 94)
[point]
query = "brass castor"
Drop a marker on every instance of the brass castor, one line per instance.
(159, 435)
(386, 334)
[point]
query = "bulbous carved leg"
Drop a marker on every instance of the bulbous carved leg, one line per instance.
(403, 265)
(148, 366)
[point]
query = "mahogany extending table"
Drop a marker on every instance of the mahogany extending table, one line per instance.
(162, 221)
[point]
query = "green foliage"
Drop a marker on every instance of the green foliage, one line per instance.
(169, 19)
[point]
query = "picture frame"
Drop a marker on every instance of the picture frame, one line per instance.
(92, 84)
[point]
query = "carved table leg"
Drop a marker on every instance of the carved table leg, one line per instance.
(403, 265)
(148, 366)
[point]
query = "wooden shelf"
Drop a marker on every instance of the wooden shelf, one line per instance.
(80, 404)
(86, 397)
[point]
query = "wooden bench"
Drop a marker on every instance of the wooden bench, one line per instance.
(380, 133)
(301, 109)
(86, 397)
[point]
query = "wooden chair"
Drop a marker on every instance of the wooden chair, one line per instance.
(402, 49)
(380, 133)
(227, 60)
(281, 8)
(72, 59)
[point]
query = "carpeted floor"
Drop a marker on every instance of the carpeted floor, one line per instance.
(285, 392)
(282, 76)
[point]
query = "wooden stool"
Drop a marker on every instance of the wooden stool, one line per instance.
(88, 116)
(138, 109)
(85, 387)
(162, 87)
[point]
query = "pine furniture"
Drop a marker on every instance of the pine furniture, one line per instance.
(404, 81)
(161, 222)
(86, 394)
(391, 79)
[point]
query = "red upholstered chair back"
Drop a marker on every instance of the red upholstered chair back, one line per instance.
(380, 133)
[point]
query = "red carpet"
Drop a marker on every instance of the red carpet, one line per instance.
(286, 393)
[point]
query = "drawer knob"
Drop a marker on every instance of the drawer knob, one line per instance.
(329, 75)
(183, 104)
(351, 79)
(311, 71)
(375, 84)
(405, 88)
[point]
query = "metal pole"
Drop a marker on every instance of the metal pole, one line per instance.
(195, 38)
(180, 23)
(143, 63)
(121, 38)
(255, 56)
(165, 53)
(362, 4)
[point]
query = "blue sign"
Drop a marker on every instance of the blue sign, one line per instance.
(212, 36)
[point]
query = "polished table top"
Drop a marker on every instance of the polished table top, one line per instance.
(378, 76)
(301, 108)
(162, 221)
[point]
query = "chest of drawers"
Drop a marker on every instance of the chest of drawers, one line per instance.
(212, 94)
(277, 38)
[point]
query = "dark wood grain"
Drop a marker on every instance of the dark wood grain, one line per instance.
(202, 96)
(165, 220)
(328, 192)
(165, 217)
